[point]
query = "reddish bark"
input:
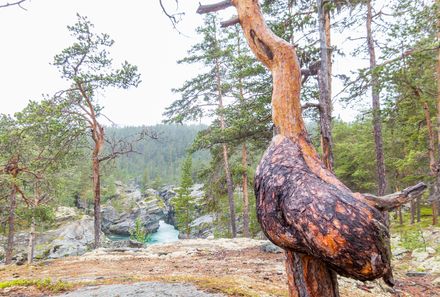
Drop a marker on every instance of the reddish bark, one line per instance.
(301, 206)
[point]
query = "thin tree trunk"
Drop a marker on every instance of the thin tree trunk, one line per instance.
(324, 82)
(246, 232)
(436, 200)
(377, 123)
(31, 244)
(244, 161)
(412, 212)
(418, 210)
(431, 154)
(11, 225)
(400, 216)
(229, 184)
(431, 138)
(97, 199)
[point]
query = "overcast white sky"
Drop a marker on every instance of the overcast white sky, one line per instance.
(143, 36)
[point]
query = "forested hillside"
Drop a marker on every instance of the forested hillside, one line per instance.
(156, 162)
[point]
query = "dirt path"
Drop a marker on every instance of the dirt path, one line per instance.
(233, 267)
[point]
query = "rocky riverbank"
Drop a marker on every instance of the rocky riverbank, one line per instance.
(72, 232)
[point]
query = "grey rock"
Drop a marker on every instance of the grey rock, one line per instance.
(73, 239)
(64, 213)
(420, 254)
(147, 289)
(202, 227)
(269, 247)
(132, 205)
(416, 274)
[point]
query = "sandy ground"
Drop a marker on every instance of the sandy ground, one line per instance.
(232, 267)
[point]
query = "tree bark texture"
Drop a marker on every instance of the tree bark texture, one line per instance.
(320, 278)
(377, 122)
(324, 82)
(302, 213)
(11, 225)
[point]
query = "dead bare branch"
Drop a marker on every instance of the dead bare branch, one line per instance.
(213, 7)
(16, 3)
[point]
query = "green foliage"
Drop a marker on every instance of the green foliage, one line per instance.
(412, 240)
(159, 161)
(42, 284)
(86, 61)
(139, 233)
(183, 203)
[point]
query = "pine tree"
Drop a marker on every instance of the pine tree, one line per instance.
(184, 203)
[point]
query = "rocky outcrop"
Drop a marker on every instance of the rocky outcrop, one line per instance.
(202, 227)
(167, 193)
(73, 239)
(69, 239)
(120, 213)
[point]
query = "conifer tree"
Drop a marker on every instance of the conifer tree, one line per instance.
(184, 202)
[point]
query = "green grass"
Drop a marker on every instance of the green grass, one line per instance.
(425, 221)
(42, 284)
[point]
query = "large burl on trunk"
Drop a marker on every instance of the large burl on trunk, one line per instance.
(303, 213)
(302, 207)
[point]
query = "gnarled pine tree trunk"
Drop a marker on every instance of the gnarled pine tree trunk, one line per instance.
(301, 206)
